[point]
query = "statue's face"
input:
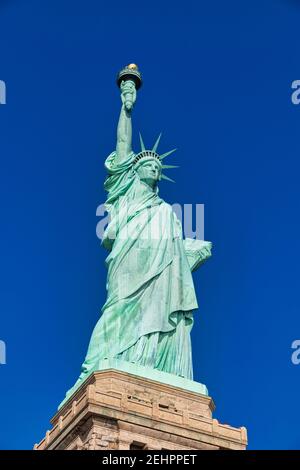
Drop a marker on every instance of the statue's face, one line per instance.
(149, 172)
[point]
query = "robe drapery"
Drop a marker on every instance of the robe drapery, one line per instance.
(148, 314)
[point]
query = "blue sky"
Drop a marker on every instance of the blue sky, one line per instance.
(217, 82)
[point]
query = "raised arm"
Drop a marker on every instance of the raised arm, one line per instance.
(124, 132)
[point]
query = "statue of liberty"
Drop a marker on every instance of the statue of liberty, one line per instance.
(148, 315)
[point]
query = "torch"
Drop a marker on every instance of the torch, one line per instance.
(132, 78)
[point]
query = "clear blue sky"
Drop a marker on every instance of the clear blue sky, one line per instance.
(217, 81)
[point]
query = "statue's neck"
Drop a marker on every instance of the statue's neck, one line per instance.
(149, 186)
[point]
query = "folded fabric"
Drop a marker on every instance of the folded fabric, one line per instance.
(197, 252)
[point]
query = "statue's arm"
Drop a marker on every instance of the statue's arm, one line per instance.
(124, 131)
(124, 135)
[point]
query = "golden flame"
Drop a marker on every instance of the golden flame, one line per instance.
(132, 66)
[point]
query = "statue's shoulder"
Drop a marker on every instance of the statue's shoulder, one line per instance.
(116, 165)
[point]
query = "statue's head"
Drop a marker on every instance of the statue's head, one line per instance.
(148, 164)
(149, 171)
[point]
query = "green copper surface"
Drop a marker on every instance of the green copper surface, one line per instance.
(148, 315)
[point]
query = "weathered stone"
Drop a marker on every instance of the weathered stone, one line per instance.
(145, 414)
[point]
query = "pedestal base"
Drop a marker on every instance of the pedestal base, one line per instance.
(114, 409)
(147, 373)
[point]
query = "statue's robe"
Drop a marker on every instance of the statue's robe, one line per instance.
(148, 314)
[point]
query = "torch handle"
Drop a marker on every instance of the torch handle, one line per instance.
(128, 91)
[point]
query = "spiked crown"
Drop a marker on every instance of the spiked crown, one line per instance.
(145, 155)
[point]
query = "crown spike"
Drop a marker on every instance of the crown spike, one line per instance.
(156, 143)
(142, 143)
(164, 177)
(166, 154)
(170, 166)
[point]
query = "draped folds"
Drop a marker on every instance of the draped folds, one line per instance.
(148, 314)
